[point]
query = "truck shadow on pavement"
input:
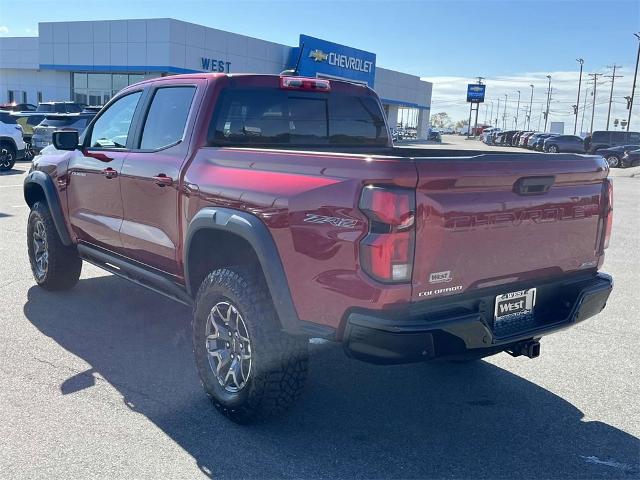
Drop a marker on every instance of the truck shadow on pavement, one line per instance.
(355, 419)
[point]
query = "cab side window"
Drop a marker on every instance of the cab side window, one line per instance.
(167, 117)
(111, 130)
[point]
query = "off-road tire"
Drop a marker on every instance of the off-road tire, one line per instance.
(63, 264)
(8, 159)
(279, 361)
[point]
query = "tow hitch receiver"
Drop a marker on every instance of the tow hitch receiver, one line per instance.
(529, 349)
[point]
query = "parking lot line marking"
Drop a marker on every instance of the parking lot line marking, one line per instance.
(9, 186)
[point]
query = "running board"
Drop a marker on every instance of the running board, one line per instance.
(135, 273)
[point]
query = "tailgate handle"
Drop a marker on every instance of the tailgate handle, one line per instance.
(533, 185)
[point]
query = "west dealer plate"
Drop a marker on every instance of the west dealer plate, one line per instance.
(515, 304)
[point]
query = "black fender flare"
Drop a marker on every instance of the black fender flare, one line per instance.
(255, 232)
(45, 182)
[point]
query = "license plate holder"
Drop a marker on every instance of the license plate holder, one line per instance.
(514, 305)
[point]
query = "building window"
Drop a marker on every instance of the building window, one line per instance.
(39, 97)
(99, 88)
(10, 96)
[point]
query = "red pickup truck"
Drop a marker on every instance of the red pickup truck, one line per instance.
(278, 207)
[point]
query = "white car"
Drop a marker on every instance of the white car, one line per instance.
(12, 146)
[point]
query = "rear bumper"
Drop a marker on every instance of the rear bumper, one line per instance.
(465, 324)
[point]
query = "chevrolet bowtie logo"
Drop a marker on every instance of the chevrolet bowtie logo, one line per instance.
(318, 55)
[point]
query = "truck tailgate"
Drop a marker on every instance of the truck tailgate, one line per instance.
(501, 218)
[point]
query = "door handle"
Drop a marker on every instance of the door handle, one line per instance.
(110, 172)
(162, 180)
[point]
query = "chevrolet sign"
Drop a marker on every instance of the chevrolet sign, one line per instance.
(344, 61)
(323, 58)
(475, 93)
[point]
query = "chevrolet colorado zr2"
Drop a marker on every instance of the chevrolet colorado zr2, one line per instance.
(279, 209)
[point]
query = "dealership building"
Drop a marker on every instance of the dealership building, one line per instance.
(90, 61)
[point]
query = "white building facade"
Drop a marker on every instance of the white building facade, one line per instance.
(91, 61)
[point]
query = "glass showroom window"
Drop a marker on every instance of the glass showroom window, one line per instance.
(98, 88)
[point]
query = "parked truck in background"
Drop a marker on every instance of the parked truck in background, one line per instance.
(278, 207)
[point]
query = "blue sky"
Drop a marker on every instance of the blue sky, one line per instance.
(449, 40)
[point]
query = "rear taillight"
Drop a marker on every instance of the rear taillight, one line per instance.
(386, 253)
(608, 212)
(302, 83)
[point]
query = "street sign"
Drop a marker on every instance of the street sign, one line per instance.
(475, 93)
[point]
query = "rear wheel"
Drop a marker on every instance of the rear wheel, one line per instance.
(54, 266)
(613, 161)
(250, 369)
(7, 156)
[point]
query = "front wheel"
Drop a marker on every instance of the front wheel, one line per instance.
(553, 149)
(613, 161)
(54, 266)
(7, 156)
(250, 369)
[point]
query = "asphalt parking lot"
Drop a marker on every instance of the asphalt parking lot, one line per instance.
(99, 382)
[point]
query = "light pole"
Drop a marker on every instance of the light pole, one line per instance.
(633, 89)
(498, 111)
(504, 113)
(530, 104)
(518, 109)
(546, 115)
(581, 62)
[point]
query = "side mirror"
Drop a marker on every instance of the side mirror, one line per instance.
(66, 139)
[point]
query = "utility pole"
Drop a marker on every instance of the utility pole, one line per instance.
(498, 111)
(504, 113)
(530, 104)
(613, 77)
(518, 109)
(491, 114)
(540, 117)
(593, 108)
(546, 115)
(633, 89)
(581, 62)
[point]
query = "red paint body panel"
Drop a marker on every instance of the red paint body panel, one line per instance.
(471, 223)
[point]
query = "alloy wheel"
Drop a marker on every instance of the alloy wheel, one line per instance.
(6, 157)
(228, 345)
(40, 250)
(613, 161)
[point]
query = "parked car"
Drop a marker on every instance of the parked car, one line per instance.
(538, 141)
(329, 238)
(563, 144)
(18, 107)
(614, 155)
(631, 158)
(43, 133)
(515, 138)
(504, 138)
(486, 133)
(12, 146)
(524, 139)
(60, 107)
(434, 136)
(600, 140)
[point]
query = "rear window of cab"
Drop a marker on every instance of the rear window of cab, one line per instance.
(280, 118)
